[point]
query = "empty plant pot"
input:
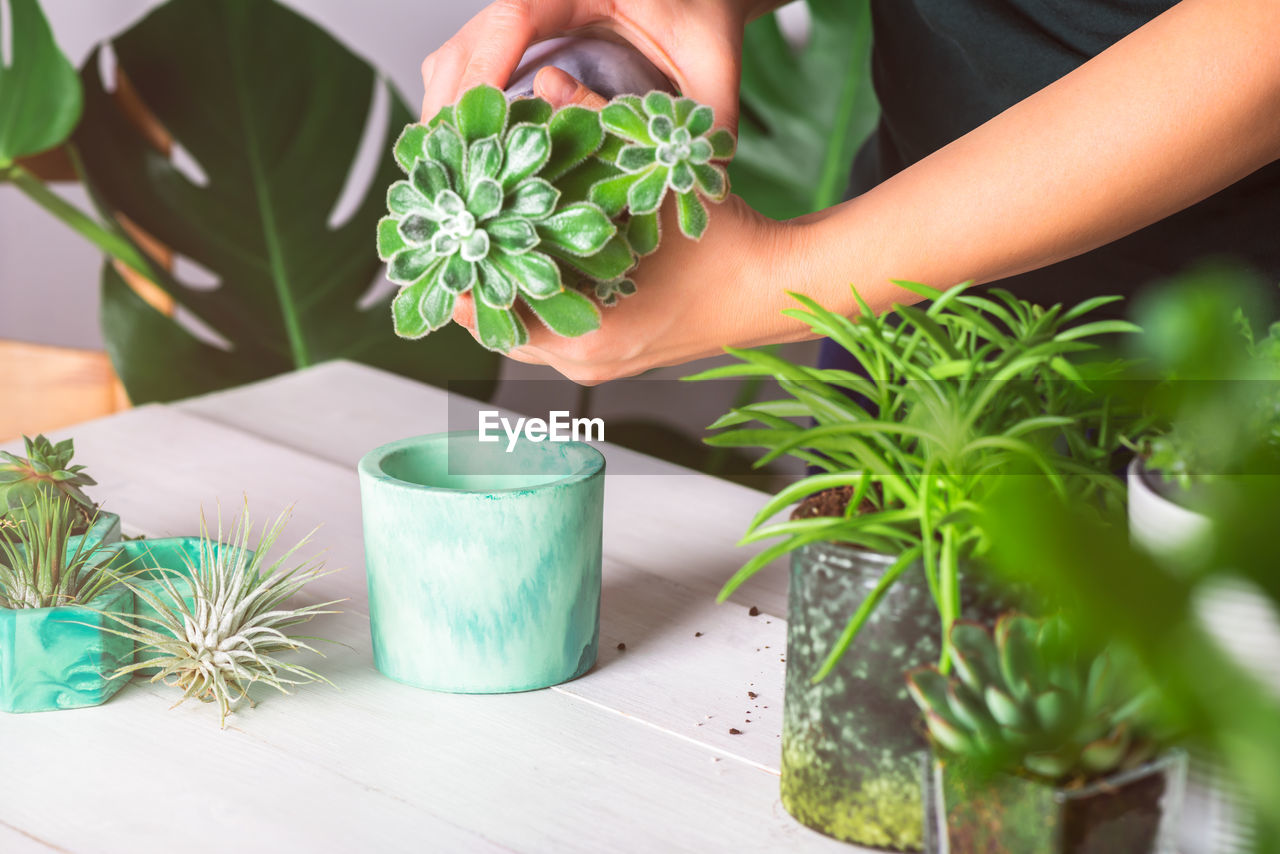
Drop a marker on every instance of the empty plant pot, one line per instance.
(63, 657)
(483, 565)
(1134, 812)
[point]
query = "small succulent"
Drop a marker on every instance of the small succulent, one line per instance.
(1028, 701)
(479, 212)
(219, 623)
(46, 470)
(669, 145)
(517, 202)
(38, 568)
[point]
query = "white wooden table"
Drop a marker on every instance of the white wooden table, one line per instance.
(634, 756)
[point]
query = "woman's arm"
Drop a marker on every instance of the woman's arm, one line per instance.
(1181, 108)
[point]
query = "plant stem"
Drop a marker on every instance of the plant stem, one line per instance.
(108, 241)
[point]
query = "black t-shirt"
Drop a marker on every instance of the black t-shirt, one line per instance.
(943, 67)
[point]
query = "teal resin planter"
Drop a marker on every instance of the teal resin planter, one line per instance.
(62, 658)
(483, 565)
(143, 562)
(851, 743)
(104, 531)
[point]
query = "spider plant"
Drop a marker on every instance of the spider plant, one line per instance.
(217, 626)
(955, 395)
(38, 566)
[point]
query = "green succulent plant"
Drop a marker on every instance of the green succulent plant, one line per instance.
(669, 144)
(518, 202)
(1028, 700)
(219, 622)
(38, 568)
(46, 470)
(479, 213)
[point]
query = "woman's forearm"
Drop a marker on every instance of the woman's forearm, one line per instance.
(1181, 108)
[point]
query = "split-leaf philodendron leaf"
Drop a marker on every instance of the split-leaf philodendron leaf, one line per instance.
(40, 97)
(272, 109)
(517, 202)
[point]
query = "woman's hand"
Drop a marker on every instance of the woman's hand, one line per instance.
(696, 43)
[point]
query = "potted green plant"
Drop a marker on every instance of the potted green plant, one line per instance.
(55, 650)
(1042, 748)
(954, 396)
(216, 625)
(47, 470)
(517, 202)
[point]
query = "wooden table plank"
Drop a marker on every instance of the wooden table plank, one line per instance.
(340, 410)
(551, 770)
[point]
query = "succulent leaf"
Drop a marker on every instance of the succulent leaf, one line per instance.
(581, 228)
(692, 215)
(575, 134)
(569, 313)
(528, 148)
(480, 112)
(534, 111)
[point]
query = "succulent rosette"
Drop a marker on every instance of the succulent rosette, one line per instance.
(517, 202)
(669, 144)
(479, 213)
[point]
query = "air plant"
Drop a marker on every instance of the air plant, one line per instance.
(217, 626)
(1030, 701)
(45, 470)
(38, 567)
(515, 202)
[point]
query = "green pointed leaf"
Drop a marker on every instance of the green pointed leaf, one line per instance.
(619, 118)
(495, 286)
(928, 689)
(481, 112)
(484, 159)
(1016, 641)
(700, 151)
(445, 116)
(723, 145)
(411, 146)
(534, 199)
(437, 306)
(40, 95)
(647, 193)
(485, 199)
(635, 158)
(691, 214)
(611, 262)
(429, 178)
(389, 239)
(658, 103)
(712, 181)
(499, 329)
(700, 120)
(527, 149)
(406, 313)
(409, 265)
(1003, 708)
(611, 194)
(682, 177)
(974, 654)
(644, 233)
(947, 735)
(458, 274)
(445, 146)
(403, 199)
(568, 313)
(534, 273)
(513, 234)
(534, 111)
(684, 106)
(416, 230)
(474, 247)
(581, 228)
(661, 128)
(576, 134)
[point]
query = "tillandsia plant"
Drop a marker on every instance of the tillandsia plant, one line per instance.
(217, 626)
(1028, 699)
(45, 470)
(955, 395)
(519, 202)
(38, 568)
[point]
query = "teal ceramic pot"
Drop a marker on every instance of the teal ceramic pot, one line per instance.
(850, 743)
(144, 562)
(62, 658)
(104, 531)
(483, 565)
(1130, 812)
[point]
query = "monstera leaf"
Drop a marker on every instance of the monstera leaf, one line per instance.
(272, 111)
(40, 96)
(805, 111)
